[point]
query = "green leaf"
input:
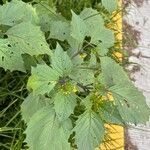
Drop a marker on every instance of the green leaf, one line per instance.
(110, 114)
(102, 50)
(60, 30)
(83, 76)
(112, 72)
(104, 38)
(61, 62)
(78, 28)
(43, 79)
(47, 15)
(88, 23)
(64, 105)
(110, 5)
(9, 58)
(29, 61)
(32, 104)
(75, 44)
(92, 19)
(15, 12)
(95, 28)
(28, 38)
(129, 101)
(77, 60)
(44, 131)
(87, 102)
(20, 40)
(50, 3)
(89, 131)
(92, 61)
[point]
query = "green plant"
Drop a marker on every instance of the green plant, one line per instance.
(12, 93)
(68, 55)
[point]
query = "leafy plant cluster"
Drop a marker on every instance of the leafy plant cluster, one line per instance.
(75, 86)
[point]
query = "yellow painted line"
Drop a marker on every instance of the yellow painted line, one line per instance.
(115, 138)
